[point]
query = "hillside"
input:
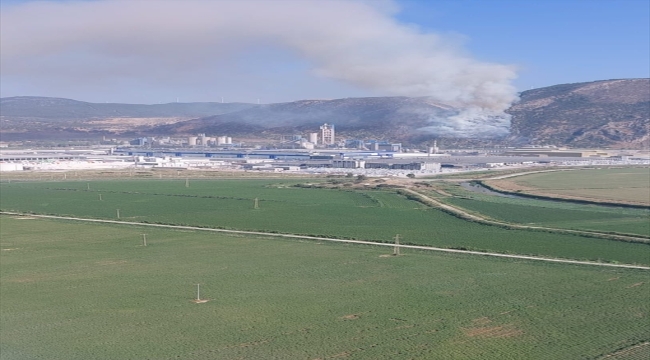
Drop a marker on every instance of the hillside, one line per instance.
(65, 109)
(612, 113)
(31, 117)
(397, 118)
(609, 113)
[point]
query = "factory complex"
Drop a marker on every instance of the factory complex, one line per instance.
(312, 152)
(321, 161)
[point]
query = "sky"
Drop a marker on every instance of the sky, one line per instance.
(473, 54)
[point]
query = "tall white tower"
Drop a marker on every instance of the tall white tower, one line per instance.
(327, 134)
(313, 138)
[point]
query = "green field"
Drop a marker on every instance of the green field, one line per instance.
(89, 291)
(554, 213)
(616, 184)
(366, 215)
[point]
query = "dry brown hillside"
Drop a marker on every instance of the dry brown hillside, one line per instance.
(609, 113)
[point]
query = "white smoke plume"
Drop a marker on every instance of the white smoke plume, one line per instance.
(172, 42)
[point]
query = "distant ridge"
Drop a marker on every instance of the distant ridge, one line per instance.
(607, 113)
(397, 118)
(593, 114)
(59, 108)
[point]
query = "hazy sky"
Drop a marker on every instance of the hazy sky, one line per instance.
(474, 54)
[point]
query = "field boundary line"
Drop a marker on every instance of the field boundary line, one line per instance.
(500, 177)
(474, 217)
(360, 242)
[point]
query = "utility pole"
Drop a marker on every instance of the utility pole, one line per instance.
(144, 239)
(396, 248)
(198, 292)
(257, 203)
(118, 213)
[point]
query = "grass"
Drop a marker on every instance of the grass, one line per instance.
(80, 291)
(365, 215)
(554, 213)
(613, 184)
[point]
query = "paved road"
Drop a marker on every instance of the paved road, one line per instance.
(429, 248)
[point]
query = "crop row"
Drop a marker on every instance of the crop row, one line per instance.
(80, 291)
(319, 212)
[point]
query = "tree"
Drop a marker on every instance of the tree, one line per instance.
(410, 176)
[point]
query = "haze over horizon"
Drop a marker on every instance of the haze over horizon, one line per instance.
(279, 51)
(287, 50)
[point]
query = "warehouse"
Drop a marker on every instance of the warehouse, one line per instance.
(398, 165)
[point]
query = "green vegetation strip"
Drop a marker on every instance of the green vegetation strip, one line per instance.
(621, 221)
(464, 214)
(358, 242)
(74, 290)
(369, 215)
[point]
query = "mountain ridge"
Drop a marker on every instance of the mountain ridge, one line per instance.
(602, 113)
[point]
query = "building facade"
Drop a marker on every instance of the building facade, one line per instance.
(327, 134)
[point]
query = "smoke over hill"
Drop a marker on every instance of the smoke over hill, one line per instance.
(188, 42)
(601, 113)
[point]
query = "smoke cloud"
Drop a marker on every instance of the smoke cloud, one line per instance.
(193, 42)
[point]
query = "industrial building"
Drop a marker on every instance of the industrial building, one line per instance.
(541, 152)
(205, 141)
(327, 136)
(393, 164)
(405, 165)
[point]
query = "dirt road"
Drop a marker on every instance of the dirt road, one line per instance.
(469, 216)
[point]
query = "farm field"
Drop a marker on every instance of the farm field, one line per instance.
(364, 215)
(626, 185)
(74, 290)
(554, 213)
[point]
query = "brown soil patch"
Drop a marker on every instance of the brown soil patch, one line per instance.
(635, 285)
(503, 331)
(512, 186)
(351, 317)
(481, 321)
(127, 123)
(508, 185)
